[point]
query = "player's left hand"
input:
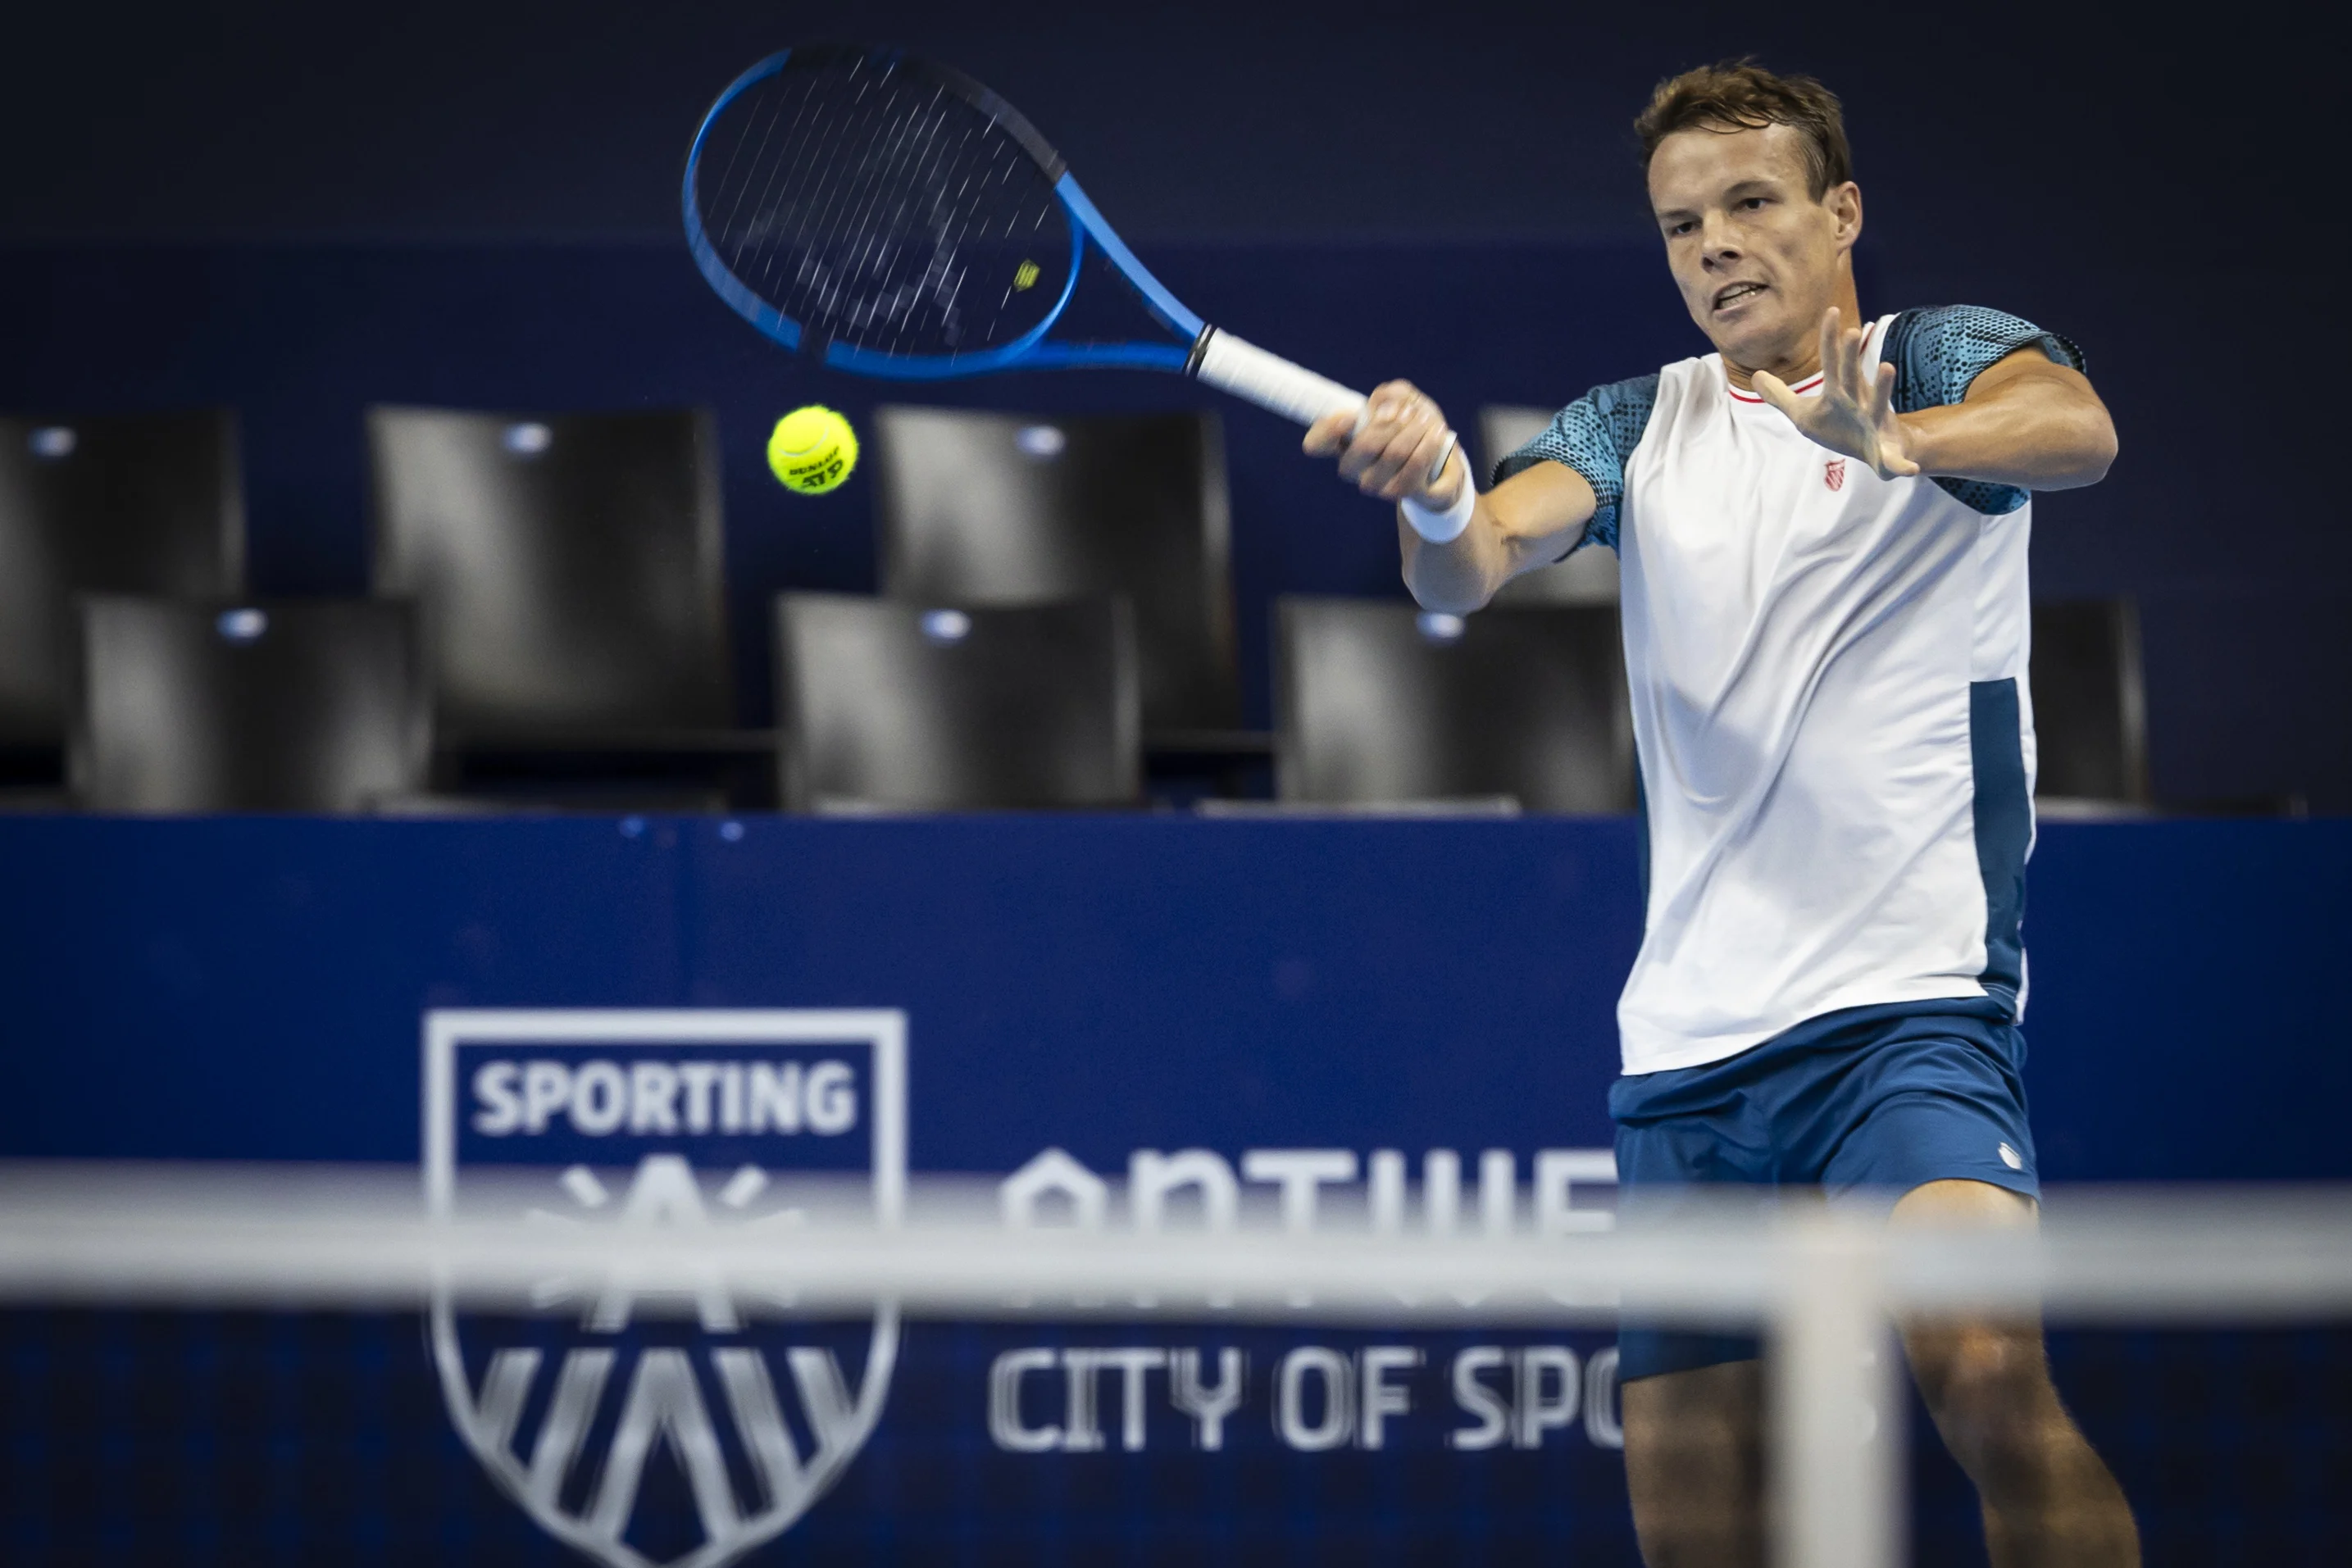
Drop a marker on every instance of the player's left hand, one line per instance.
(1853, 414)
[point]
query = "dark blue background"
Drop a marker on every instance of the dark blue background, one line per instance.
(253, 987)
(474, 203)
(300, 209)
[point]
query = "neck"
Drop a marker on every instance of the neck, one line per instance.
(1801, 360)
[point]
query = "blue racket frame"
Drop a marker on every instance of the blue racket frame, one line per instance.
(1030, 351)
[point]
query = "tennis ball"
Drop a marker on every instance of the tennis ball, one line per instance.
(812, 450)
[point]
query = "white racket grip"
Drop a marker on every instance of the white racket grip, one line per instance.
(1271, 382)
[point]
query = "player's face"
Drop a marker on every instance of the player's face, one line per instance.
(1757, 258)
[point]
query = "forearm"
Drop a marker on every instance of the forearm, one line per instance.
(1461, 574)
(1401, 451)
(2039, 433)
(1531, 519)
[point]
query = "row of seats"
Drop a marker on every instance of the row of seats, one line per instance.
(568, 570)
(566, 579)
(572, 566)
(325, 704)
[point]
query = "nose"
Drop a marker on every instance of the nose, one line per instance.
(1718, 243)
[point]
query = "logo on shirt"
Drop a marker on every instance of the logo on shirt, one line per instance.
(1833, 473)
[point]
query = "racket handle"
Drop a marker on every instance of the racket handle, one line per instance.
(1269, 380)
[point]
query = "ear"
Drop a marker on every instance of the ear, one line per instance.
(1844, 205)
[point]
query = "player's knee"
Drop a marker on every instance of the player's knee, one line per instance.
(1975, 1366)
(1987, 1387)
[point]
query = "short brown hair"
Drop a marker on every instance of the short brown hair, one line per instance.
(1735, 95)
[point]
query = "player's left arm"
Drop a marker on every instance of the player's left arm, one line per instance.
(2025, 420)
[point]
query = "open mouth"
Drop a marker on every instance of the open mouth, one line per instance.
(1737, 294)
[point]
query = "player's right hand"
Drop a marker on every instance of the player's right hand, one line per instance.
(1391, 456)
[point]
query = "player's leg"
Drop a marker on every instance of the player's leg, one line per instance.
(1695, 1465)
(1932, 1107)
(1692, 1401)
(2048, 1498)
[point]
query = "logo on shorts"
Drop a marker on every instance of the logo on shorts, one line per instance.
(2011, 1158)
(686, 1436)
(1833, 473)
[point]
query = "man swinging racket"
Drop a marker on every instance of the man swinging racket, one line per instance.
(1822, 532)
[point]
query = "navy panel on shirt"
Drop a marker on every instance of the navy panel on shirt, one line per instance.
(2004, 830)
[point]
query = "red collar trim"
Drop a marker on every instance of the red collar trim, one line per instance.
(1801, 389)
(1869, 340)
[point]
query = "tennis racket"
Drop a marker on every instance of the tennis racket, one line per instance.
(892, 217)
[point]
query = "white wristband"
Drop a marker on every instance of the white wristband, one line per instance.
(1445, 527)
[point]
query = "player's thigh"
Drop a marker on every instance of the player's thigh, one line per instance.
(1695, 1431)
(1975, 1369)
(1965, 1204)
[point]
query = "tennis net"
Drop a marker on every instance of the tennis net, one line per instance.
(632, 1329)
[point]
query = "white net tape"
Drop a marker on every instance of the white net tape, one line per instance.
(1825, 1282)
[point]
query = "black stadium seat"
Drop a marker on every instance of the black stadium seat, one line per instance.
(992, 508)
(1378, 703)
(567, 567)
(1588, 577)
(229, 705)
(145, 502)
(2090, 711)
(881, 705)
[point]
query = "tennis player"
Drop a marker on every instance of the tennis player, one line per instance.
(1822, 528)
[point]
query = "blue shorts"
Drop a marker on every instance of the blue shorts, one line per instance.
(1865, 1103)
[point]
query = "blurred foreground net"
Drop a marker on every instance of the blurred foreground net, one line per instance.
(303, 1365)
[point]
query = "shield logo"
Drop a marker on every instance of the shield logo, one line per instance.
(684, 1437)
(1833, 473)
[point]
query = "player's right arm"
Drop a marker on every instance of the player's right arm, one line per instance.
(1531, 519)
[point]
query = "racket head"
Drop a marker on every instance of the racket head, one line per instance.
(883, 210)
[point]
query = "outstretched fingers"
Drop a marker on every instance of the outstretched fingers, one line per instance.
(1892, 466)
(1833, 351)
(1846, 377)
(1776, 392)
(1881, 393)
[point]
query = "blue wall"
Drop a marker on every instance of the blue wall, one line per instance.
(252, 988)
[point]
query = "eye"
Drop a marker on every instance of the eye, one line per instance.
(1753, 204)
(1681, 228)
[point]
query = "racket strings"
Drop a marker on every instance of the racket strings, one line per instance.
(875, 207)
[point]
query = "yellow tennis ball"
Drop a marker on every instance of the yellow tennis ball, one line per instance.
(812, 450)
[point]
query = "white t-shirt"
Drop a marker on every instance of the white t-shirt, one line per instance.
(1828, 695)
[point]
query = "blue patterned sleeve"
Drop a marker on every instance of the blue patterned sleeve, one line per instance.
(1593, 436)
(1937, 353)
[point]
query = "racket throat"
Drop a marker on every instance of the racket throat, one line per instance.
(1200, 350)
